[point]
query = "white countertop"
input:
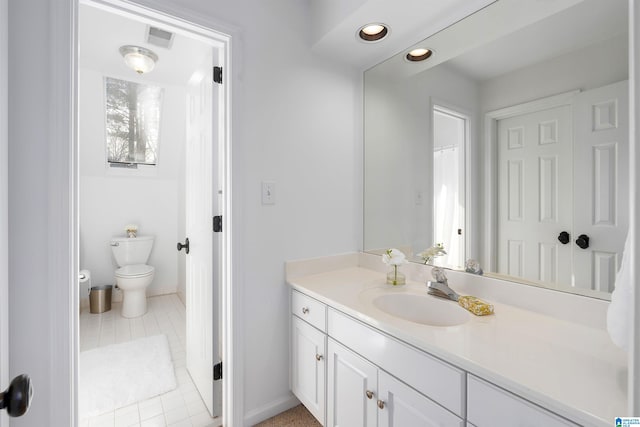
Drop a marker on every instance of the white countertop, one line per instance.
(567, 368)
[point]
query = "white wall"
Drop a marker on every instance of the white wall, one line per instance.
(109, 202)
(594, 66)
(300, 128)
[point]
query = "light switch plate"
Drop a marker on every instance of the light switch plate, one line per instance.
(268, 193)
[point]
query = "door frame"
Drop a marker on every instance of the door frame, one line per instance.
(467, 173)
(490, 222)
(4, 209)
(64, 177)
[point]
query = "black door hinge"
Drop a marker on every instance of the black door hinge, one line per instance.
(217, 223)
(217, 75)
(217, 371)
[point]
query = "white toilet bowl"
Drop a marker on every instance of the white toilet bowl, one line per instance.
(133, 281)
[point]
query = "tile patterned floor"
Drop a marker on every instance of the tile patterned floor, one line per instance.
(181, 407)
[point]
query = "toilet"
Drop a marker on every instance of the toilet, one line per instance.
(134, 275)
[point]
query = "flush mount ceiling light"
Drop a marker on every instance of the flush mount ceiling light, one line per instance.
(419, 54)
(138, 58)
(373, 32)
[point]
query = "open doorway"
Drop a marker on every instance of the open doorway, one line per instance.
(152, 166)
(450, 136)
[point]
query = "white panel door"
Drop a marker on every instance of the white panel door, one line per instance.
(308, 366)
(352, 389)
(534, 192)
(601, 183)
(199, 201)
(400, 406)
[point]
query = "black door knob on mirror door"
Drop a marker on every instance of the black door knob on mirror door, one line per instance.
(583, 241)
(564, 237)
(184, 245)
(17, 398)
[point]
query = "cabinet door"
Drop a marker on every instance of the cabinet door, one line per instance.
(308, 366)
(351, 388)
(400, 405)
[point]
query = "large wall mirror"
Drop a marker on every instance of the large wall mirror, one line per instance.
(508, 145)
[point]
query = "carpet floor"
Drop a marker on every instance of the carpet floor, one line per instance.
(297, 416)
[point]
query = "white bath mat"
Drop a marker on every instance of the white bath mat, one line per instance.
(121, 374)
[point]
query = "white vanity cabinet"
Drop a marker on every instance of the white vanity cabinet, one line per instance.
(348, 373)
(379, 382)
(361, 394)
(308, 353)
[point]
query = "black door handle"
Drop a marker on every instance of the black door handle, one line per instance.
(17, 398)
(583, 241)
(184, 245)
(564, 237)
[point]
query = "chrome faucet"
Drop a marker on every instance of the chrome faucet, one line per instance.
(440, 288)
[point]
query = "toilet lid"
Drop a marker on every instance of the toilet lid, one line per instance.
(134, 270)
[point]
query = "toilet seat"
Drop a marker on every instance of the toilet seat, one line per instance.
(136, 270)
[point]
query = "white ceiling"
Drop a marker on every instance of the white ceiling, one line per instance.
(337, 22)
(512, 34)
(582, 25)
(101, 33)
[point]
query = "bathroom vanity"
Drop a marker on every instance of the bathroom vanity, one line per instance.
(355, 361)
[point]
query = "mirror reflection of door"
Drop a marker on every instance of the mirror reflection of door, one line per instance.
(564, 169)
(534, 194)
(601, 183)
(450, 133)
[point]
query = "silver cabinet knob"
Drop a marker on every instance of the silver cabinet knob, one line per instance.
(380, 404)
(319, 357)
(305, 310)
(369, 394)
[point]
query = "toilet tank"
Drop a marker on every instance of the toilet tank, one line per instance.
(131, 250)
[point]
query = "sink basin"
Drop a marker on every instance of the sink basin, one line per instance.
(423, 309)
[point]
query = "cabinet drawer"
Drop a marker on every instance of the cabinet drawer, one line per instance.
(403, 406)
(310, 310)
(432, 377)
(490, 406)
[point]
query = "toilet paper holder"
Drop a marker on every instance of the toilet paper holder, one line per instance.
(84, 276)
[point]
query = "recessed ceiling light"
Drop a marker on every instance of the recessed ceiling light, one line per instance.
(373, 32)
(419, 54)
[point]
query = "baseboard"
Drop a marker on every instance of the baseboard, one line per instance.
(182, 297)
(269, 410)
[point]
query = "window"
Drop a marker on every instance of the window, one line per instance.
(133, 122)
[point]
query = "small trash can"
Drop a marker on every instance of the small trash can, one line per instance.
(100, 298)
